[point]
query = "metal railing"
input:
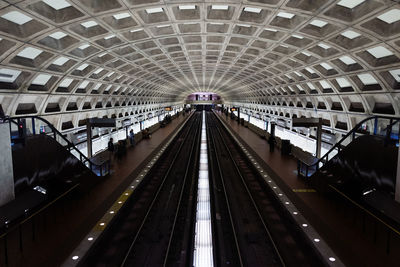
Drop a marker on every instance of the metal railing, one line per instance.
(376, 125)
(21, 127)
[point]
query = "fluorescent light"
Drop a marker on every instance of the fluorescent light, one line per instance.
(243, 25)
(324, 84)
(306, 53)
(219, 7)
(252, 9)
(60, 61)
(285, 15)
(16, 17)
(326, 66)
(187, 7)
(380, 52)
(89, 24)
(343, 82)
(57, 4)
(310, 70)
(350, 3)
(109, 37)
(121, 16)
(41, 79)
(136, 30)
(58, 35)
(154, 10)
(8, 75)
(82, 67)
(311, 86)
(98, 70)
(83, 84)
(347, 60)
(163, 26)
(30, 53)
(66, 82)
(270, 30)
(297, 36)
(84, 46)
(102, 54)
(318, 23)
(390, 16)
(394, 73)
(324, 46)
(350, 34)
(367, 79)
(216, 23)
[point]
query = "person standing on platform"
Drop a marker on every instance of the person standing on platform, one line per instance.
(132, 137)
(110, 147)
(271, 142)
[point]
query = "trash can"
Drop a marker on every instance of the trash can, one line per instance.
(285, 147)
(241, 121)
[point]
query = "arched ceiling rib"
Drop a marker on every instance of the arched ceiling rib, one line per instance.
(259, 51)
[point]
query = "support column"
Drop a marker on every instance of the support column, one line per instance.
(397, 188)
(6, 165)
(238, 119)
(319, 139)
(89, 140)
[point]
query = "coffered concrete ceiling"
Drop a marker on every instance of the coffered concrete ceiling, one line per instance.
(83, 58)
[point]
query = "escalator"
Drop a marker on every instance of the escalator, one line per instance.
(46, 167)
(43, 162)
(365, 164)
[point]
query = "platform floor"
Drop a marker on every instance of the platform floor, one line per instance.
(62, 227)
(341, 230)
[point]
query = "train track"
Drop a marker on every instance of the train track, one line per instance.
(250, 227)
(154, 228)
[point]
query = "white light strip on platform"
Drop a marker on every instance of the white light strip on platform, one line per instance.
(203, 250)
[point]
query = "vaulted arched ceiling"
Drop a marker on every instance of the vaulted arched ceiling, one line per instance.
(69, 57)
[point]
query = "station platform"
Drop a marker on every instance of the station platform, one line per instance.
(60, 228)
(354, 241)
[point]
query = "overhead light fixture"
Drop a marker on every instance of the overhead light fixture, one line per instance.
(109, 37)
(154, 10)
(163, 26)
(16, 17)
(324, 46)
(391, 16)
(350, 3)
(121, 16)
(219, 7)
(84, 46)
(89, 24)
(350, 34)
(60, 61)
(285, 15)
(187, 7)
(58, 35)
(380, 52)
(318, 23)
(252, 9)
(30, 53)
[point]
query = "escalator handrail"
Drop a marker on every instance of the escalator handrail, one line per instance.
(352, 131)
(82, 158)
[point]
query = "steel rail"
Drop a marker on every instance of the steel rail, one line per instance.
(155, 198)
(252, 199)
(211, 140)
(192, 149)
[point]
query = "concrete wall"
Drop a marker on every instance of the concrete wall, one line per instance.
(6, 167)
